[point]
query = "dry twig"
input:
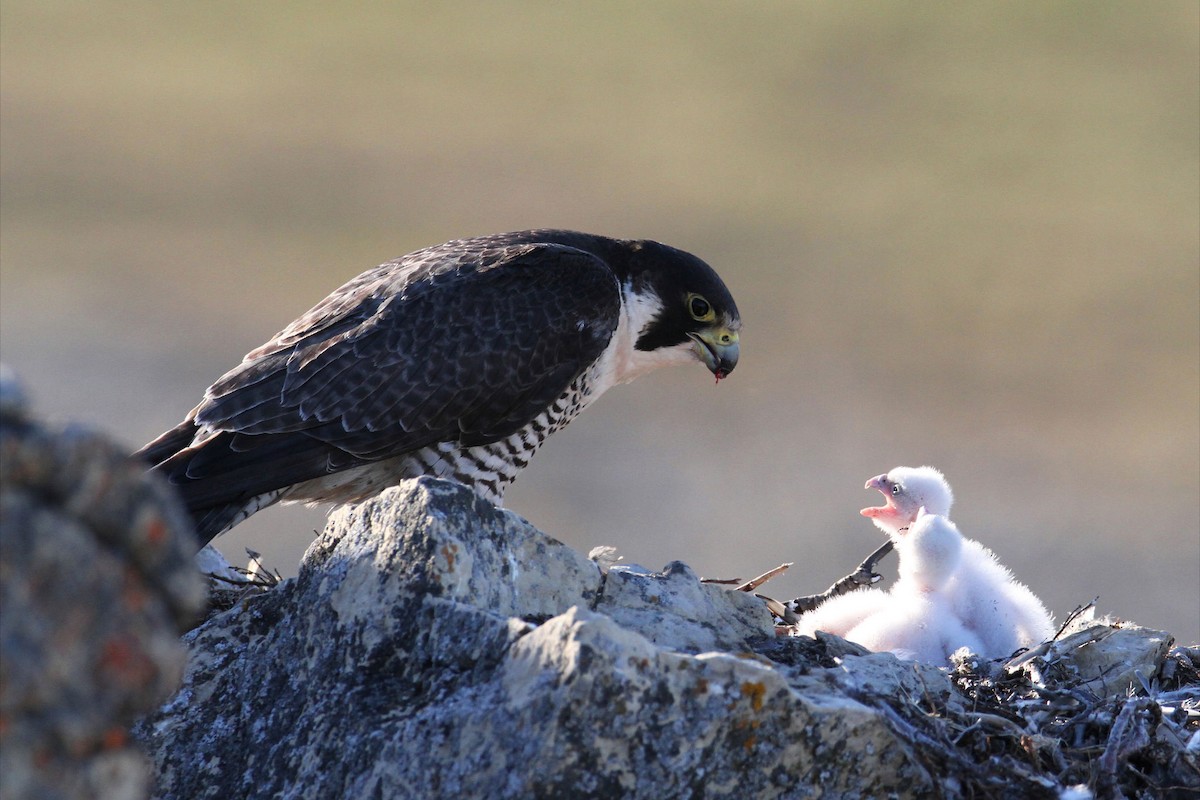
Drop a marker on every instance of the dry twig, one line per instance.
(863, 575)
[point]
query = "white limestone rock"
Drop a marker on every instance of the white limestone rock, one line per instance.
(434, 646)
(674, 609)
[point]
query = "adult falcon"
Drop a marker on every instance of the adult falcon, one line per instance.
(455, 361)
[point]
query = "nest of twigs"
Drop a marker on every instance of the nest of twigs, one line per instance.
(1074, 717)
(1037, 718)
(229, 584)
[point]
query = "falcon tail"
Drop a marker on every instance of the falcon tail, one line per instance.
(168, 444)
(209, 519)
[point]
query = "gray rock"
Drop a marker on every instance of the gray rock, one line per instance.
(13, 403)
(452, 545)
(95, 582)
(1105, 658)
(675, 609)
(434, 646)
(618, 716)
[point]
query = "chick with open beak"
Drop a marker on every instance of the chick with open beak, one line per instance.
(905, 491)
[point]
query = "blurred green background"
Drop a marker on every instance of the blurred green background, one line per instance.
(959, 234)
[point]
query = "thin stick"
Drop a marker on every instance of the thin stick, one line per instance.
(1079, 610)
(754, 583)
(864, 575)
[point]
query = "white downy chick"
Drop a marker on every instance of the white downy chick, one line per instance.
(919, 620)
(1002, 612)
(1005, 612)
(838, 615)
(907, 489)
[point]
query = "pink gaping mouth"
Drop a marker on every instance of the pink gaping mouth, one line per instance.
(888, 509)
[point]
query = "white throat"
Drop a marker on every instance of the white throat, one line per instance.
(621, 361)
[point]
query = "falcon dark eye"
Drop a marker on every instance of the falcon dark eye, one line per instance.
(700, 308)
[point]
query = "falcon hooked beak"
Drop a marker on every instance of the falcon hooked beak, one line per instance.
(717, 347)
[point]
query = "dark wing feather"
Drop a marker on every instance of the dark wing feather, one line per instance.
(442, 345)
(169, 443)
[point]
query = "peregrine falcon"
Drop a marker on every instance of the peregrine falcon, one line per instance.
(455, 361)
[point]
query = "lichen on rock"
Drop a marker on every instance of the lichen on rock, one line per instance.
(96, 583)
(433, 645)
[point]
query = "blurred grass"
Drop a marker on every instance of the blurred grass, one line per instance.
(967, 234)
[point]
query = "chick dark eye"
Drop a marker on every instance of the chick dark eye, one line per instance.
(699, 308)
(895, 489)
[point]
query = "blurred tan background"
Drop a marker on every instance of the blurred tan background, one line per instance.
(959, 235)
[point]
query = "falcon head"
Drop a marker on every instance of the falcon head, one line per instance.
(685, 311)
(905, 491)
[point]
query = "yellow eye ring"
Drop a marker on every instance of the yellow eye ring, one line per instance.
(700, 309)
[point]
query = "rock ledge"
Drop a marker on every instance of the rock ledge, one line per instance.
(433, 645)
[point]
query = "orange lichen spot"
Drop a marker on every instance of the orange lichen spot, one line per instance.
(744, 731)
(124, 660)
(114, 738)
(448, 552)
(756, 692)
(156, 531)
(133, 592)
